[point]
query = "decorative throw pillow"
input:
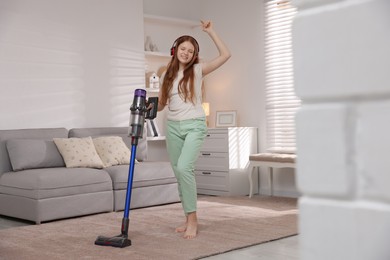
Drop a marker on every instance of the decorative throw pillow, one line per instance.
(112, 150)
(33, 153)
(78, 152)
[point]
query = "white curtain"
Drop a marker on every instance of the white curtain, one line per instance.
(280, 96)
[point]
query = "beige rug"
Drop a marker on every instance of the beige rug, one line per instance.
(226, 223)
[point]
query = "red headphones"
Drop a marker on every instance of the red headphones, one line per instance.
(179, 39)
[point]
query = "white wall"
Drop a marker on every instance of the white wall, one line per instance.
(342, 59)
(185, 9)
(69, 63)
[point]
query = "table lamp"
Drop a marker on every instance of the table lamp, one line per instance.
(206, 108)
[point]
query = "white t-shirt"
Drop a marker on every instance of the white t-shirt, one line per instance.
(178, 109)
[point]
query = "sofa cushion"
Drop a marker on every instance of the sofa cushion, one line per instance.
(145, 174)
(142, 147)
(38, 133)
(54, 182)
(33, 153)
(112, 150)
(78, 152)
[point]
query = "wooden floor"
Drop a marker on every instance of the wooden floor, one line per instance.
(282, 249)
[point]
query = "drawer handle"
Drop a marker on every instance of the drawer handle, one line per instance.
(208, 154)
(208, 173)
(208, 135)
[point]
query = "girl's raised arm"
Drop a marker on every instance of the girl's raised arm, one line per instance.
(224, 53)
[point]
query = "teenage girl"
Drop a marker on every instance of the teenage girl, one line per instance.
(181, 91)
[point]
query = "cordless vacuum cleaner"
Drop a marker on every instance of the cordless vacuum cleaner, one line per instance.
(139, 111)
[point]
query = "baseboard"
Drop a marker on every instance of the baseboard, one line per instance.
(281, 193)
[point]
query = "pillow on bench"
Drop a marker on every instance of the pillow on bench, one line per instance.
(33, 153)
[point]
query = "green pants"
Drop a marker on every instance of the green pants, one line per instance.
(184, 140)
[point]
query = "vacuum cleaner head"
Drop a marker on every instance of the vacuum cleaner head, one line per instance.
(118, 241)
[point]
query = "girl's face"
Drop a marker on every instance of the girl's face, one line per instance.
(185, 52)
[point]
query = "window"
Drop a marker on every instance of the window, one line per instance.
(281, 102)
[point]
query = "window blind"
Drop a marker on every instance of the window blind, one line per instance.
(281, 102)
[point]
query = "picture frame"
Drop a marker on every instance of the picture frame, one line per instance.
(226, 118)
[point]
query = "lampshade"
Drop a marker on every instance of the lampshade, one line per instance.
(206, 108)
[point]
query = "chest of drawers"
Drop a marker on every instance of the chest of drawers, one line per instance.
(224, 157)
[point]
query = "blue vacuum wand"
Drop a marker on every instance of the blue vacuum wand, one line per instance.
(139, 109)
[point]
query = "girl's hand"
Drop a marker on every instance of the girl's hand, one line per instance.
(224, 53)
(206, 26)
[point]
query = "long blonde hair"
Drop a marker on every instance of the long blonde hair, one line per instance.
(188, 93)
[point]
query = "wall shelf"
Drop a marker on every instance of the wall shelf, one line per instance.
(157, 54)
(170, 21)
(155, 138)
(152, 90)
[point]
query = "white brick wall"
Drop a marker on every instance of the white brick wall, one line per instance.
(342, 65)
(325, 168)
(343, 45)
(373, 150)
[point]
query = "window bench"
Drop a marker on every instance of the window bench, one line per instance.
(270, 160)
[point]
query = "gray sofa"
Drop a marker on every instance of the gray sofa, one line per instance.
(35, 185)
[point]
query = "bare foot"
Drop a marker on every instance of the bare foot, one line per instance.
(192, 226)
(192, 231)
(181, 228)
